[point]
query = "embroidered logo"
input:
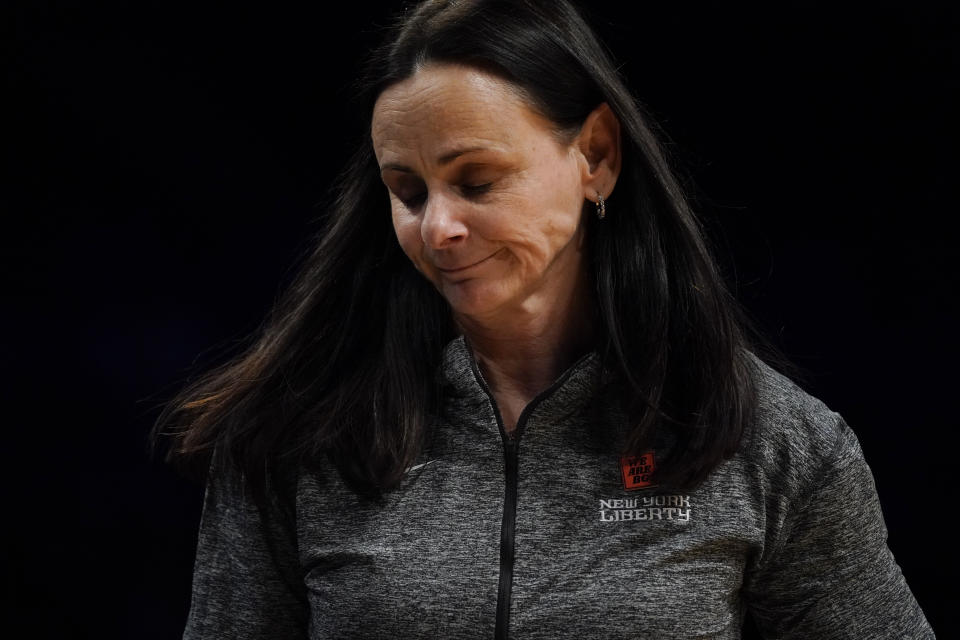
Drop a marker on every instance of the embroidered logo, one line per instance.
(674, 507)
(636, 471)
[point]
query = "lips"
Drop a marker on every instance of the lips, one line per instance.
(465, 266)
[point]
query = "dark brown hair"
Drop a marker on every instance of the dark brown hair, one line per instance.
(345, 368)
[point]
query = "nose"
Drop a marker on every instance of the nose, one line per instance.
(443, 222)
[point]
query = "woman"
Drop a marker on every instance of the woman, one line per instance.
(526, 407)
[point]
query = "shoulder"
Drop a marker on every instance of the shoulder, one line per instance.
(822, 567)
(795, 440)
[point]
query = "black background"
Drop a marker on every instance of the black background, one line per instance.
(163, 163)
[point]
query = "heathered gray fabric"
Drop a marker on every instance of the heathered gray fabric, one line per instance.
(790, 528)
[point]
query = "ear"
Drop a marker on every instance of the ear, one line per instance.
(599, 143)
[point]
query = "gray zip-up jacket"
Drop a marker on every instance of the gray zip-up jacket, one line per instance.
(550, 534)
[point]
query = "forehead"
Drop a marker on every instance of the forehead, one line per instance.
(444, 104)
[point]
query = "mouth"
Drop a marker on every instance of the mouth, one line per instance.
(456, 270)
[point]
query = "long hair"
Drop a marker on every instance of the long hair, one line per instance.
(345, 367)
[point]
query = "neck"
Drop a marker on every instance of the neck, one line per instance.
(523, 352)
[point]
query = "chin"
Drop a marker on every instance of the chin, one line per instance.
(473, 297)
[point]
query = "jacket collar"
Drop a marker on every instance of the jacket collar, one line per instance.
(570, 392)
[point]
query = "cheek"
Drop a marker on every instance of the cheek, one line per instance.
(571, 194)
(408, 234)
(407, 229)
(562, 207)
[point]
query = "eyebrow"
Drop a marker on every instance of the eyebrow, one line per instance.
(444, 159)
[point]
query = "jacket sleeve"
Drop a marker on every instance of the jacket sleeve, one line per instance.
(246, 579)
(830, 573)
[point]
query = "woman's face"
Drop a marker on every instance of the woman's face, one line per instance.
(486, 201)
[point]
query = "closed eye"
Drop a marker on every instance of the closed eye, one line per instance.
(413, 202)
(468, 190)
(473, 190)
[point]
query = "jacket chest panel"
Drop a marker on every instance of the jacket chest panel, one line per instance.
(420, 562)
(617, 561)
(618, 582)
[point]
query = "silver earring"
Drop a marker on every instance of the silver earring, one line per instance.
(601, 206)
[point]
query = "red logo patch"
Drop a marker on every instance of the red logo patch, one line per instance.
(636, 471)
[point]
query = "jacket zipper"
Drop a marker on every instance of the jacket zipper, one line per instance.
(511, 451)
